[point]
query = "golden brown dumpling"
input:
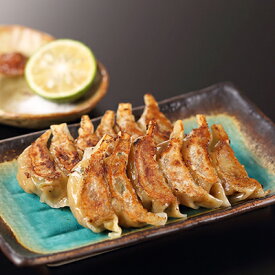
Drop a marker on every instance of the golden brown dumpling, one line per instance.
(88, 192)
(237, 185)
(63, 148)
(86, 136)
(38, 173)
(124, 199)
(163, 127)
(126, 121)
(148, 179)
(106, 125)
(196, 156)
(178, 176)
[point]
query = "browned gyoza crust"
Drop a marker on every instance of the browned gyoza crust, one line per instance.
(196, 156)
(178, 176)
(124, 199)
(38, 173)
(126, 121)
(148, 179)
(41, 159)
(88, 191)
(163, 127)
(238, 186)
(95, 195)
(106, 125)
(86, 136)
(63, 148)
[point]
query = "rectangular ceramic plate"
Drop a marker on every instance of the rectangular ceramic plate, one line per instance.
(32, 233)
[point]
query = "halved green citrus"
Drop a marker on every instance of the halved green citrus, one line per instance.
(62, 70)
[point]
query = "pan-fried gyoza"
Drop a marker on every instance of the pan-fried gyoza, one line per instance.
(178, 176)
(148, 179)
(86, 136)
(163, 127)
(63, 148)
(39, 174)
(128, 173)
(106, 125)
(124, 199)
(237, 185)
(196, 156)
(126, 121)
(88, 192)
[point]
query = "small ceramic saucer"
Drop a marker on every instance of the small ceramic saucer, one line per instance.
(19, 106)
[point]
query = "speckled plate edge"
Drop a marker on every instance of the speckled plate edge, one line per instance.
(21, 256)
(37, 121)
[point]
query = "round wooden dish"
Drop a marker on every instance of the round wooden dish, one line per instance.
(19, 106)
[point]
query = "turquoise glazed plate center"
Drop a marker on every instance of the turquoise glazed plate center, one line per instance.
(32, 233)
(42, 229)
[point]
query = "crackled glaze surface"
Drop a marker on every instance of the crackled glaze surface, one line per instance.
(46, 230)
(36, 234)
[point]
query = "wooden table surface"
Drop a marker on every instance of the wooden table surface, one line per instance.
(168, 48)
